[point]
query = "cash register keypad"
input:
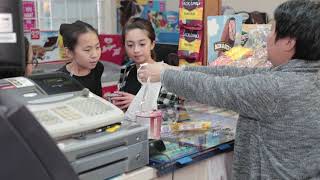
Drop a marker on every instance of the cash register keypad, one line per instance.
(46, 117)
(90, 106)
(66, 113)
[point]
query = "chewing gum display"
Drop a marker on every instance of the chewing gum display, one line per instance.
(191, 13)
(189, 43)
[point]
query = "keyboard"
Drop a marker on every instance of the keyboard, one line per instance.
(72, 115)
(90, 107)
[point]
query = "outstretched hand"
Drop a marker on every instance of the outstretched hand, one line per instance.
(152, 71)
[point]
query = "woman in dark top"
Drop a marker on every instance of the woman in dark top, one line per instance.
(83, 48)
(92, 80)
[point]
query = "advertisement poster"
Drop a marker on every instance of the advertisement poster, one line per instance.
(111, 48)
(224, 32)
(35, 34)
(29, 24)
(47, 46)
(165, 23)
(29, 9)
(29, 15)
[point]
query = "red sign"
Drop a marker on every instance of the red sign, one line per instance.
(35, 34)
(111, 48)
(29, 24)
(29, 9)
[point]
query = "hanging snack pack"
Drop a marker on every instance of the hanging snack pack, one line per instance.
(189, 43)
(191, 29)
(191, 13)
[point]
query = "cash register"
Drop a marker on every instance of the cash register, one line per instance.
(78, 121)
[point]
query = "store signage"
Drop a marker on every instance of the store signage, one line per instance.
(35, 33)
(29, 24)
(29, 9)
(111, 48)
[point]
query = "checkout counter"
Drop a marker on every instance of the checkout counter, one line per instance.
(193, 154)
(99, 144)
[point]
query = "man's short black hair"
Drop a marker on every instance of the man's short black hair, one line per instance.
(300, 19)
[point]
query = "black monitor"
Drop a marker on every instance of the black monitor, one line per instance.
(56, 83)
(12, 53)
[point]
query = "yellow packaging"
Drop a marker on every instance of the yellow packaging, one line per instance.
(191, 126)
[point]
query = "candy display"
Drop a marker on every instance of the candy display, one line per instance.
(191, 13)
(189, 43)
(252, 54)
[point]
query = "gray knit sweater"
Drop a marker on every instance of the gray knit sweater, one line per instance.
(278, 131)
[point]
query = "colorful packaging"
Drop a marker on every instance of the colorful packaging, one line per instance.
(224, 32)
(191, 126)
(191, 13)
(237, 53)
(189, 43)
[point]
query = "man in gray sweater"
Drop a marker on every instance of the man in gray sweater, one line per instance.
(278, 131)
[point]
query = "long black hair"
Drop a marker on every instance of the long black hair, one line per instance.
(142, 24)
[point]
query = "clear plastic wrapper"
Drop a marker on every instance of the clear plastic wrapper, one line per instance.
(253, 54)
(186, 126)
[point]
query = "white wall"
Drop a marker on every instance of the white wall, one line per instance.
(109, 16)
(267, 6)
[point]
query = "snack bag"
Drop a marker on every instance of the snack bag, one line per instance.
(191, 13)
(191, 126)
(189, 43)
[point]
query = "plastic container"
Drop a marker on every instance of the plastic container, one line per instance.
(152, 120)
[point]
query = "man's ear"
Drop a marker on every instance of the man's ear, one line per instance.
(289, 43)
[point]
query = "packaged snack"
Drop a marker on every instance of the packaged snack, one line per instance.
(189, 43)
(191, 13)
(190, 126)
(239, 52)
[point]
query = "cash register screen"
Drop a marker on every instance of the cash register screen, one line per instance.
(57, 83)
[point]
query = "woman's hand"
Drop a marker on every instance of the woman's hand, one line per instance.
(123, 101)
(151, 71)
